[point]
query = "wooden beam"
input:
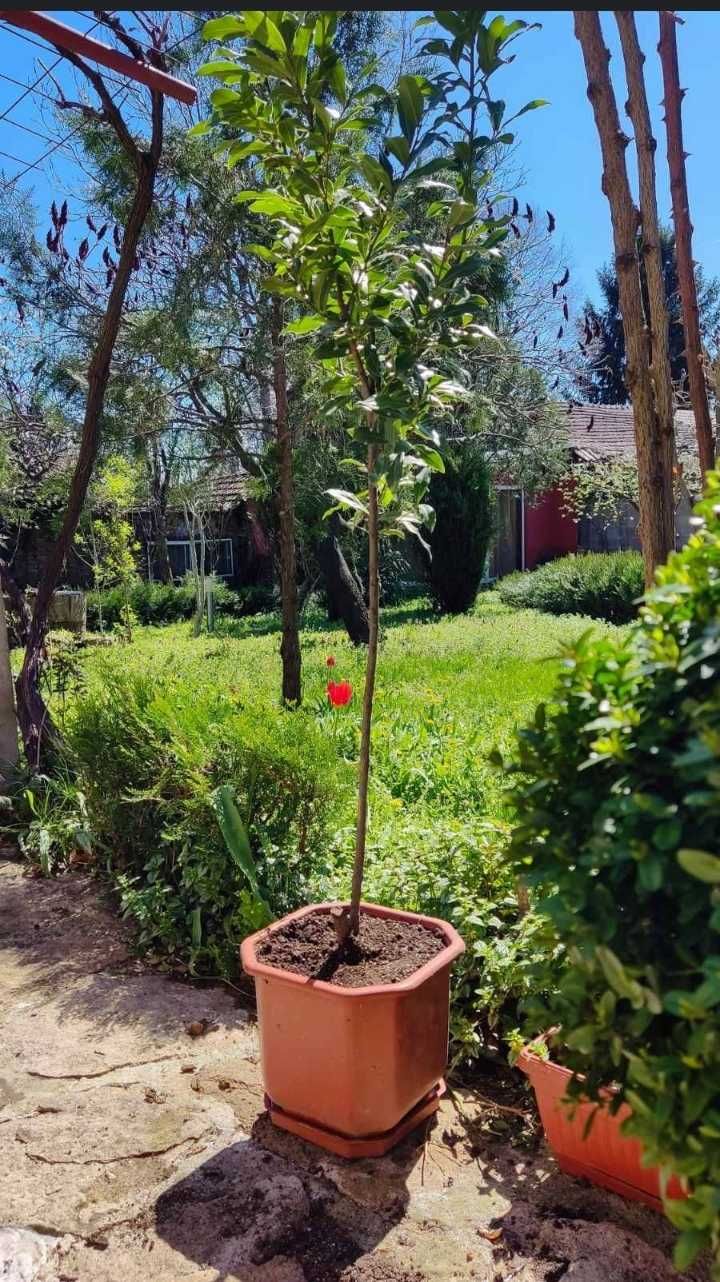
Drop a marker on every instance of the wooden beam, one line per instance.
(64, 37)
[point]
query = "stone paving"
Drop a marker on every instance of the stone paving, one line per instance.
(133, 1151)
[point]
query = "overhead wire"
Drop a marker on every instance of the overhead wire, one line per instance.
(60, 143)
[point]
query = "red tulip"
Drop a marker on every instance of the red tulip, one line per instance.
(330, 661)
(339, 693)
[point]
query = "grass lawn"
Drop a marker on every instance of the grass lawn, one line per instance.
(449, 690)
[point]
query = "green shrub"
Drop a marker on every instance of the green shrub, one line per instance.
(605, 585)
(619, 830)
(460, 498)
(153, 603)
(459, 871)
(151, 752)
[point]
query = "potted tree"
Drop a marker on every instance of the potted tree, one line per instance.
(618, 835)
(353, 998)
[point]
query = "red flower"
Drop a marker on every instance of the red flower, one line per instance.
(330, 661)
(339, 693)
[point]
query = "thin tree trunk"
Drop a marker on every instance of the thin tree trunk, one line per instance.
(683, 241)
(36, 727)
(654, 484)
(8, 720)
(290, 645)
(659, 321)
(368, 695)
(345, 599)
(22, 615)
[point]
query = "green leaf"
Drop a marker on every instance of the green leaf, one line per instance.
(345, 498)
(532, 106)
(336, 79)
(236, 836)
(688, 1247)
(261, 27)
(261, 251)
(305, 325)
(615, 973)
(399, 148)
(700, 864)
(375, 174)
(272, 203)
(240, 150)
(220, 28)
(410, 105)
(196, 919)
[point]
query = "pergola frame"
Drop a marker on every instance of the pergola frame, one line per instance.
(64, 37)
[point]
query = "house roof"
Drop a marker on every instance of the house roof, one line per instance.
(606, 431)
(229, 490)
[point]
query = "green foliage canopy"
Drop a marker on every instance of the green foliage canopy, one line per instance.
(388, 314)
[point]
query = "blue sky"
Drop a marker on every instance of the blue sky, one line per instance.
(558, 148)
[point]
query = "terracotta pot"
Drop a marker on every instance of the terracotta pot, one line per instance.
(605, 1156)
(353, 1062)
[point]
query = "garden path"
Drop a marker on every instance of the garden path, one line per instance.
(134, 1151)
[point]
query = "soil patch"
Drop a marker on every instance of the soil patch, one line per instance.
(384, 952)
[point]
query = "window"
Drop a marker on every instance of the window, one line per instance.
(218, 557)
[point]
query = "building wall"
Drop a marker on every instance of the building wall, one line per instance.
(549, 531)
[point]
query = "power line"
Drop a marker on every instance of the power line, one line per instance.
(17, 124)
(39, 93)
(60, 143)
(44, 48)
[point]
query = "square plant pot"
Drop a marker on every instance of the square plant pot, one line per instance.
(353, 1061)
(604, 1156)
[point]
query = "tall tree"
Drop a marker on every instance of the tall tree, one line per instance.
(683, 240)
(656, 312)
(601, 378)
(394, 313)
(654, 459)
(35, 723)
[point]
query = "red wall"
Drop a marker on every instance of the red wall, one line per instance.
(549, 531)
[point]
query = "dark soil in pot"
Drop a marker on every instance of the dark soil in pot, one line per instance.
(384, 952)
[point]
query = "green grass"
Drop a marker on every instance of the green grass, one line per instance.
(449, 690)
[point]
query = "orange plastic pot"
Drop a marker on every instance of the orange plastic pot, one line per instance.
(604, 1155)
(352, 1062)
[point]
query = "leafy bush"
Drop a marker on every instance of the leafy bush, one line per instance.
(151, 754)
(605, 585)
(152, 603)
(619, 823)
(47, 816)
(459, 871)
(460, 497)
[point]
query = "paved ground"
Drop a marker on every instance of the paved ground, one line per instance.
(133, 1152)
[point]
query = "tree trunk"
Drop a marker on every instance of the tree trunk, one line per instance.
(655, 486)
(368, 694)
(17, 601)
(646, 146)
(159, 560)
(345, 600)
(38, 733)
(683, 241)
(290, 645)
(8, 720)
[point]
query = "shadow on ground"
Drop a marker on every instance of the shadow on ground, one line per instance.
(64, 940)
(273, 1198)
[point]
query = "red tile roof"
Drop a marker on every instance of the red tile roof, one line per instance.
(606, 431)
